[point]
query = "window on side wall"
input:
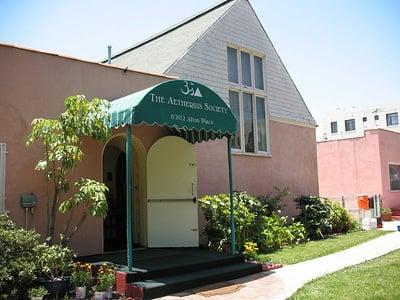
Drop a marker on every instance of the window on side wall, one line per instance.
(258, 73)
(248, 101)
(246, 68)
(235, 108)
(350, 125)
(392, 119)
(394, 174)
(233, 75)
(334, 127)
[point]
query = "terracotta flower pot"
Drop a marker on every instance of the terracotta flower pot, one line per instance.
(386, 216)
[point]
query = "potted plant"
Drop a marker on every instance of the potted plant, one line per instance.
(37, 293)
(80, 278)
(386, 214)
(105, 282)
(54, 262)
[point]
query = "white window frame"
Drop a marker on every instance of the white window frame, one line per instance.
(255, 92)
(352, 130)
(3, 153)
(389, 114)
(337, 127)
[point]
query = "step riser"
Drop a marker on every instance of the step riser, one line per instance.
(184, 269)
(175, 288)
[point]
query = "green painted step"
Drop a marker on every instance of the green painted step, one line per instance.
(166, 266)
(166, 285)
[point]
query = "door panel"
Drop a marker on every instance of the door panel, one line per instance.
(172, 194)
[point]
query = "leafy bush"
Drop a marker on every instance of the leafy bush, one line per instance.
(272, 203)
(54, 261)
(216, 209)
(314, 215)
(322, 217)
(277, 233)
(18, 259)
(339, 218)
(252, 222)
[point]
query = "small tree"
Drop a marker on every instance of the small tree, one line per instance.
(62, 139)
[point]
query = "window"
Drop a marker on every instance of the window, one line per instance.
(232, 65)
(364, 119)
(334, 127)
(248, 101)
(376, 117)
(2, 176)
(246, 69)
(350, 125)
(394, 173)
(261, 128)
(258, 72)
(248, 122)
(234, 103)
(392, 119)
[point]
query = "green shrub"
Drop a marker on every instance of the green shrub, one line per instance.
(314, 215)
(339, 218)
(216, 210)
(256, 221)
(53, 261)
(272, 203)
(18, 259)
(277, 233)
(322, 217)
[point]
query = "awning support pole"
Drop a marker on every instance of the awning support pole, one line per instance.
(233, 233)
(128, 149)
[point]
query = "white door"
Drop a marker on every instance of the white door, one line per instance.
(172, 194)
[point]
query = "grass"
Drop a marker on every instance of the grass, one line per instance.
(375, 279)
(314, 249)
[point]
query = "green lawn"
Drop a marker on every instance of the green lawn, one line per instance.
(375, 279)
(314, 249)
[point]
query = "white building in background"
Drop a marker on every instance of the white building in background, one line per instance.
(351, 123)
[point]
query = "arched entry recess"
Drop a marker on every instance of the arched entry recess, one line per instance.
(114, 176)
(190, 110)
(172, 207)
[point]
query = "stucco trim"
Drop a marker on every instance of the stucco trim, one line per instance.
(291, 122)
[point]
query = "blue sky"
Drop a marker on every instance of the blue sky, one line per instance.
(340, 53)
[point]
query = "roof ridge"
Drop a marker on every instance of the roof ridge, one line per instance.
(171, 28)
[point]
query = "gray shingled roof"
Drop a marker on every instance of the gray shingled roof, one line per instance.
(163, 52)
(158, 53)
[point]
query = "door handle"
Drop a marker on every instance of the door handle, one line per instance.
(194, 199)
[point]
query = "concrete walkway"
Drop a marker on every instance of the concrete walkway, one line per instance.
(282, 283)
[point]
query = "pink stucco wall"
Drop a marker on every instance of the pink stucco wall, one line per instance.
(350, 167)
(292, 164)
(34, 84)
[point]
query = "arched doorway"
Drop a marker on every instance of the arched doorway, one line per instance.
(114, 176)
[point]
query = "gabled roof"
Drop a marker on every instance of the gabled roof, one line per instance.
(159, 52)
(192, 49)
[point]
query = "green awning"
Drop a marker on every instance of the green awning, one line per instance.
(190, 109)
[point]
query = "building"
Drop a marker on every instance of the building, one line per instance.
(224, 49)
(343, 124)
(367, 165)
